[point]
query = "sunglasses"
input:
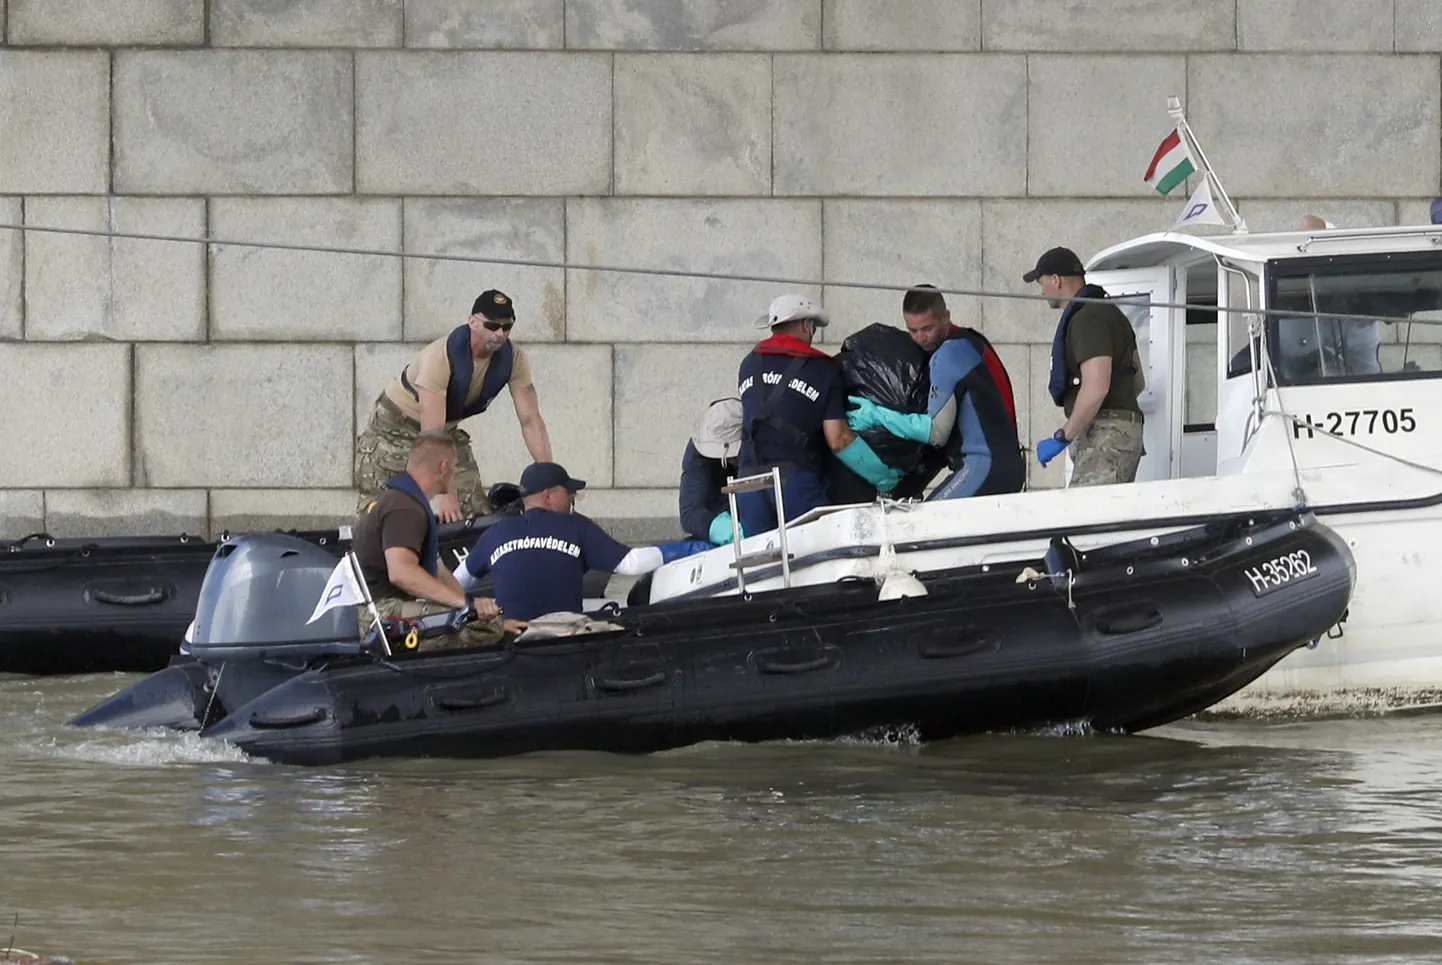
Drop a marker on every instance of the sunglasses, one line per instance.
(498, 326)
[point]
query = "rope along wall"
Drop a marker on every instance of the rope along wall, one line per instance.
(664, 272)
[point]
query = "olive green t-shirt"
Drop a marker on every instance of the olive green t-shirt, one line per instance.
(1095, 331)
(391, 520)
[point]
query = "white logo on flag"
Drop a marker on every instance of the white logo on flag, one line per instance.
(1200, 209)
(341, 589)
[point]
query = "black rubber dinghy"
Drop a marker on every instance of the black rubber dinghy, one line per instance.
(1123, 638)
(123, 603)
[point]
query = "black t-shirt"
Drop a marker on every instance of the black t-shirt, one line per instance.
(811, 394)
(393, 519)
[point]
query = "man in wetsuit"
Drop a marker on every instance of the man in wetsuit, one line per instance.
(793, 409)
(971, 414)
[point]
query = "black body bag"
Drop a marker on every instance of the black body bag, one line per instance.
(883, 364)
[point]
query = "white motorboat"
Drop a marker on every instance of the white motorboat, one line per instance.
(1249, 408)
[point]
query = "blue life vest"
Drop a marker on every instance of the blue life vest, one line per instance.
(463, 366)
(1058, 383)
(431, 555)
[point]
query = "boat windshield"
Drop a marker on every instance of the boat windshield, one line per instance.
(1329, 348)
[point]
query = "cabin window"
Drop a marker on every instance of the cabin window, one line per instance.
(1200, 408)
(1406, 291)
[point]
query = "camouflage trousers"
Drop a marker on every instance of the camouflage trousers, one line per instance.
(477, 633)
(382, 449)
(1108, 451)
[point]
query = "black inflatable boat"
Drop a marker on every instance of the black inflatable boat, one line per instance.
(1124, 638)
(123, 603)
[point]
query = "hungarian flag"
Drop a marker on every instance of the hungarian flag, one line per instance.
(1171, 165)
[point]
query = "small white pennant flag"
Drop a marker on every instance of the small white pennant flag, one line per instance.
(1200, 209)
(341, 589)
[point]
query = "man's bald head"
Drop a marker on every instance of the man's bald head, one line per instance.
(1312, 223)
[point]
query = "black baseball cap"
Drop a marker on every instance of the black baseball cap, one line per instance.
(540, 476)
(1056, 261)
(493, 304)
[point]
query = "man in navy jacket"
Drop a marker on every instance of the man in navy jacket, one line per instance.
(793, 408)
(710, 458)
(540, 556)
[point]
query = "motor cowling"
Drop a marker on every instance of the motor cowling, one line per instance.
(260, 589)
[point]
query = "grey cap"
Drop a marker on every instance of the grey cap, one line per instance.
(717, 434)
(791, 308)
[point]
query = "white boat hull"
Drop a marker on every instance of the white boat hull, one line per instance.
(1226, 434)
(1386, 654)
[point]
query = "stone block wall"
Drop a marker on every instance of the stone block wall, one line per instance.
(156, 386)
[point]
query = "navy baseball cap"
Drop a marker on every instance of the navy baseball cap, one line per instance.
(540, 476)
(493, 304)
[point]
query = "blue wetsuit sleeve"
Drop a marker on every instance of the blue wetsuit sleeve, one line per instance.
(949, 365)
(598, 550)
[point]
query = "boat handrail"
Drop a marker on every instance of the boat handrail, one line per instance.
(770, 479)
(1400, 231)
(1260, 517)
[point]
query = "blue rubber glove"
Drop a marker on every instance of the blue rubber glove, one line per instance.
(861, 459)
(720, 530)
(861, 414)
(681, 549)
(915, 426)
(1051, 447)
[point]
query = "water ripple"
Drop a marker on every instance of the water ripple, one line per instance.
(1216, 842)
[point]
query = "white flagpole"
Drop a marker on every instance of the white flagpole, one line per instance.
(366, 592)
(1174, 108)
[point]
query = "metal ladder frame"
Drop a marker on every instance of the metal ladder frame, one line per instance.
(756, 483)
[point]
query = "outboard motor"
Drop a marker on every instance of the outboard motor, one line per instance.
(250, 627)
(250, 635)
